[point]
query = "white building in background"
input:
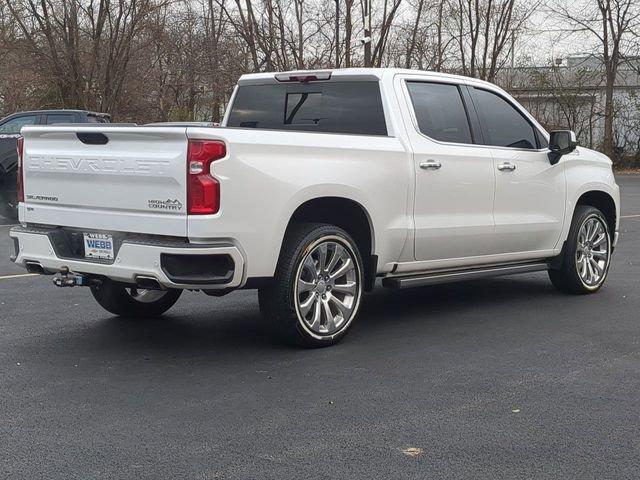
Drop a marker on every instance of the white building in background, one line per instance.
(571, 94)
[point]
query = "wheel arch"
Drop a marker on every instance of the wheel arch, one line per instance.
(348, 214)
(604, 202)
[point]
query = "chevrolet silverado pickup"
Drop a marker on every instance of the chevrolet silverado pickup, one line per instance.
(316, 184)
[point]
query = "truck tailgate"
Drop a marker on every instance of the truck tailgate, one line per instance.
(136, 182)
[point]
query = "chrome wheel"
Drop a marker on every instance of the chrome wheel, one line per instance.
(593, 252)
(145, 296)
(327, 289)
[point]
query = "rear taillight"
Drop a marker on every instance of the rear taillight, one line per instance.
(203, 190)
(19, 178)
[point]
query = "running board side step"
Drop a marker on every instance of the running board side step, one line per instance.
(435, 278)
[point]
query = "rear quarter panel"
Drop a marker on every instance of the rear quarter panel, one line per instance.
(267, 175)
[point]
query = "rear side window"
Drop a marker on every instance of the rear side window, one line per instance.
(440, 111)
(55, 118)
(504, 125)
(329, 107)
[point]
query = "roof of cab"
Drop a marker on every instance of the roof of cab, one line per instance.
(54, 111)
(351, 74)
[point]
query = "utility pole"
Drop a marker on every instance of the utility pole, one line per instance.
(337, 33)
(513, 47)
(367, 33)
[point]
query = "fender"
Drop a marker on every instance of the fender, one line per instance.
(588, 172)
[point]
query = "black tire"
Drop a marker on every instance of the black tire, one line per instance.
(115, 298)
(278, 300)
(566, 277)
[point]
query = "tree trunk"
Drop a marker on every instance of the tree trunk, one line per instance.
(348, 27)
(440, 53)
(414, 35)
(607, 143)
(337, 34)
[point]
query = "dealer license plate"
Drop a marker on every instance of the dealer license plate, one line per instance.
(98, 245)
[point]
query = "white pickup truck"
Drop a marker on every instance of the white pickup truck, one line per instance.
(315, 184)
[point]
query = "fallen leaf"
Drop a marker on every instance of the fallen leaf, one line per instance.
(412, 451)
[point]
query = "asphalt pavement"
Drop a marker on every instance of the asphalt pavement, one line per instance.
(498, 379)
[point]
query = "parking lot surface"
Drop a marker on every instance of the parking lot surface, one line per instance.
(499, 379)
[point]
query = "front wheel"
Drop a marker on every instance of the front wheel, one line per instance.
(120, 299)
(587, 253)
(316, 292)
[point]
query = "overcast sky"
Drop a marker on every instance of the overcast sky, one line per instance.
(547, 39)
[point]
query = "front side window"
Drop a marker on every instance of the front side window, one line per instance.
(12, 127)
(328, 107)
(504, 125)
(440, 111)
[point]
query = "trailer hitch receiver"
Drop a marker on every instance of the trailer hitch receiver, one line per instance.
(65, 278)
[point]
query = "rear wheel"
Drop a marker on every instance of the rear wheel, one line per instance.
(120, 299)
(317, 289)
(587, 253)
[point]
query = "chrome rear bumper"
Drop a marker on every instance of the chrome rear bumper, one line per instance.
(135, 259)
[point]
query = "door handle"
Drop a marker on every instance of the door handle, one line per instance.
(506, 167)
(430, 165)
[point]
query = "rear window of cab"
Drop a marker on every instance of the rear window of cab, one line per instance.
(327, 107)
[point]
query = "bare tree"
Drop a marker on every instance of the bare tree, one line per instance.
(414, 33)
(389, 11)
(561, 98)
(86, 45)
(613, 24)
(422, 35)
(484, 30)
(146, 60)
(348, 31)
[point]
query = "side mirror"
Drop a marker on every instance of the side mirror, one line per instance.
(561, 142)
